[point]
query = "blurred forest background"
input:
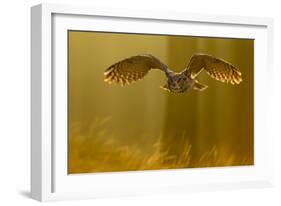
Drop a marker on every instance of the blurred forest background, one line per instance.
(140, 126)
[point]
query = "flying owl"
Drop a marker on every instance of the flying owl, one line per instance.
(136, 67)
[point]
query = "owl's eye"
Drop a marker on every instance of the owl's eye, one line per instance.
(181, 79)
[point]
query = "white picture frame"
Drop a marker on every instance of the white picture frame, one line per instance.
(49, 179)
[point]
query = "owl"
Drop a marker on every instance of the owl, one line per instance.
(137, 67)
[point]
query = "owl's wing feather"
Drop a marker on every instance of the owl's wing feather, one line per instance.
(217, 68)
(132, 69)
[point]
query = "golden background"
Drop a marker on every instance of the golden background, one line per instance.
(140, 126)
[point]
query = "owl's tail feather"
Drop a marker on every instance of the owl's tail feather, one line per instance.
(198, 86)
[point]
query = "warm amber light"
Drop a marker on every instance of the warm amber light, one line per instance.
(142, 127)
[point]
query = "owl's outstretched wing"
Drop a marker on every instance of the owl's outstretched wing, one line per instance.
(216, 68)
(132, 69)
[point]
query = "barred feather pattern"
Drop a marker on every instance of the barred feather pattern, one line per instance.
(131, 69)
(135, 68)
(217, 68)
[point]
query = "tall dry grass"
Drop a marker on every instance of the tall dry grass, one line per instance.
(99, 151)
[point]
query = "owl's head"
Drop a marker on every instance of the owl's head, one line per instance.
(176, 83)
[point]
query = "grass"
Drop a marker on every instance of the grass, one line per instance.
(98, 151)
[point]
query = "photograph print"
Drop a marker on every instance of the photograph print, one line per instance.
(141, 102)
